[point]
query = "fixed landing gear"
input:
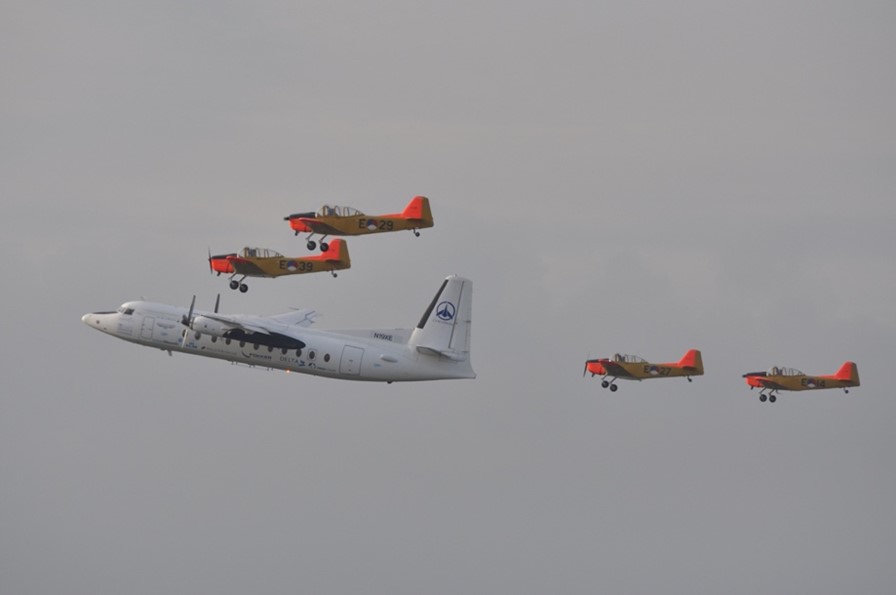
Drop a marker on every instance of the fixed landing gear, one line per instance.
(611, 385)
(311, 245)
(416, 233)
(771, 398)
(605, 384)
(234, 284)
(613, 388)
(334, 274)
(324, 246)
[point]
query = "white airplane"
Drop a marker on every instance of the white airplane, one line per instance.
(437, 349)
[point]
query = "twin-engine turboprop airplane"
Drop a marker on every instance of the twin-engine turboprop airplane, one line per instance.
(346, 221)
(262, 262)
(632, 367)
(437, 348)
(777, 378)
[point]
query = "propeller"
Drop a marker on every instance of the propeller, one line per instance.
(187, 320)
(211, 271)
(217, 303)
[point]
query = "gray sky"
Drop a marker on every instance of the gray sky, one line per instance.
(637, 177)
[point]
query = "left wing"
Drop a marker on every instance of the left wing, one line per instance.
(614, 369)
(246, 267)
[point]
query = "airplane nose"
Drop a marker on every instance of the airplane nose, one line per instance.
(86, 319)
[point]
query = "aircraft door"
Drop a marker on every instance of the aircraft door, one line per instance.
(351, 360)
(146, 329)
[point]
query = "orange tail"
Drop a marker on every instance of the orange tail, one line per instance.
(692, 359)
(418, 209)
(848, 371)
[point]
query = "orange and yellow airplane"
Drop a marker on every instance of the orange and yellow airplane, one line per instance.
(632, 367)
(777, 378)
(262, 262)
(346, 221)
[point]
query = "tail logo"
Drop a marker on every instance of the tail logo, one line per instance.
(445, 311)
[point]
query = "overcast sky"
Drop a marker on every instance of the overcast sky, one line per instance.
(640, 177)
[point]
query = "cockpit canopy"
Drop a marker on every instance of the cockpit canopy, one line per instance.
(778, 371)
(337, 211)
(260, 253)
(629, 359)
(125, 309)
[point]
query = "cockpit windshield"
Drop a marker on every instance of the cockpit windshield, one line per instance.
(778, 371)
(125, 311)
(628, 359)
(260, 253)
(337, 211)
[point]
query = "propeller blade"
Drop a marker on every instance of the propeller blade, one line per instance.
(186, 320)
(217, 303)
(211, 271)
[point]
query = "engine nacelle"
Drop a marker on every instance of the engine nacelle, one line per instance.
(210, 326)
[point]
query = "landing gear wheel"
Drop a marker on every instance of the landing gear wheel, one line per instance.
(416, 233)
(244, 288)
(234, 284)
(613, 388)
(324, 246)
(334, 274)
(762, 398)
(605, 384)
(311, 245)
(772, 398)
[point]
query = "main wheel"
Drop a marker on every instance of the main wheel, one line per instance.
(605, 384)
(762, 398)
(772, 398)
(613, 388)
(234, 284)
(311, 245)
(324, 246)
(244, 288)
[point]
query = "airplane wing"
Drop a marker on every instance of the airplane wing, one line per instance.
(247, 267)
(614, 369)
(766, 383)
(303, 317)
(247, 324)
(319, 227)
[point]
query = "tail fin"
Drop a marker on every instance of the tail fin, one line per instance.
(848, 371)
(444, 329)
(693, 359)
(418, 210)
(336, 257)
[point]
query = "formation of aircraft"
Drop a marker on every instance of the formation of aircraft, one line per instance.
(632, 367)
(777, 378)
(263, 262)
(438, 348)
(346, 221)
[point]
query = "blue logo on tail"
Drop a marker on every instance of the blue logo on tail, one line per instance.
(445, 311)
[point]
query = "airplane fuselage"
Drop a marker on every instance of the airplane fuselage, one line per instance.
(374, 355)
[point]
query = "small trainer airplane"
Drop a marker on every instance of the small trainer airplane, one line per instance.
(346, 221)
(632, 367)
(262, 262)
(438, 348)
(777, 378)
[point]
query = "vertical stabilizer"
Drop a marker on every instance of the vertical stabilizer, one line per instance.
(418, 210)
(693, 359)
(849, 372)
(444, 329)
